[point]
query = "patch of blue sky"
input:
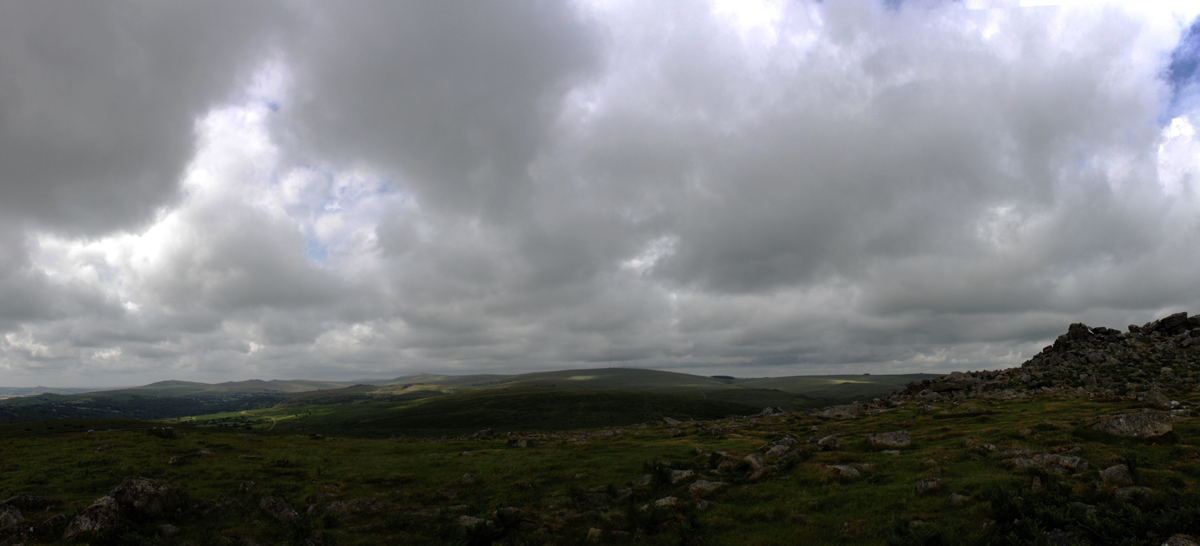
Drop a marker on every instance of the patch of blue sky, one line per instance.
(315, 250)
(1182, 75)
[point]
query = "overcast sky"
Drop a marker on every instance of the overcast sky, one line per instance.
(226, 190)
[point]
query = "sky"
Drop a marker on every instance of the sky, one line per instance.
(226, 190)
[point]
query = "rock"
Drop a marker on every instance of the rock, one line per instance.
(1059, 464)
(149, 498)
(844, 471)
(10, 516)
(1144, 424)
(101, 515)
(768, 412)
(644, 480)
(247, 437)
(594, 534)
(674, 432)
(891, 452)
(1130, 493)
(469, 521)
(826, 443)
(928, 485)
(776, 452)
(666, 502)
(1180, 541)
(849, 410)
(1156, 397)
(355, 506)
(168, 530)
(680, 475)
(756, 462)
(672, 422)
(957, 499)
(704, 486)
(467, 479)
(1117, 475)
(30, 503)
(278, 508)
(899, 438)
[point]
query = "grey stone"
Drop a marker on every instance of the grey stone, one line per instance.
(928, 485)
(1144, 424)
(278, 508)
(1180, 541)
(101, 515)
(844, 471)
(826, 443)
(755, 461)
(703, 486)
(1117, 475)
(680, 475)
(776, 452)
(10, 516)
(899, 438)
(666, 502)
(469, 521)
(1129, 493)
(150, 498)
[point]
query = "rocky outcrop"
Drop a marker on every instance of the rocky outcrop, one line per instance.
(152, 499)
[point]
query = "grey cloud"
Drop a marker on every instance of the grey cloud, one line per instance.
(97, 102)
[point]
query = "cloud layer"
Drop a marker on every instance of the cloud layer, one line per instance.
(234, 190)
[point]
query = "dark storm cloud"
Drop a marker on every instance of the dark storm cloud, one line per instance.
(217, 191)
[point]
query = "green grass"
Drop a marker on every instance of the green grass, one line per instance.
(555, 480)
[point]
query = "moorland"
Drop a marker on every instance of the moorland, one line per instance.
(1092, 441)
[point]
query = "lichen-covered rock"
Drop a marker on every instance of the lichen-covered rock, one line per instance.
(826, 443)
(680, 475)
(144, 497)
(1144, 424)
(899, 438)
(101, 515)
(928, 485)
(10, 516)
(849, 410)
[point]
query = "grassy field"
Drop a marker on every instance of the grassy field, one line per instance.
(566, 484)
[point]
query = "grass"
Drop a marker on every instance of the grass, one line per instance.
(567, 483)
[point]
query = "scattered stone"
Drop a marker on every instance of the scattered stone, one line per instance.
(247, 437)
(644, 480)
(1132, 492)
(666, 502)
(777, 451)
(928, 485)
(278, 508)
(680, 475)
(671, 422)
(899, 438)
(1180, 541)
(469, 521)
(1025, 431)
(1036, 484)
(849, 410)
(756, 462)
(891, 452)
(467, 479)
(826, 443)
(355, 506)
(704, 486)
(1059, 464)
(957, 499)
(844, 471)
(674, 432)
(1118, 475)
(594, 535)
(1144, 424)
(168, 530)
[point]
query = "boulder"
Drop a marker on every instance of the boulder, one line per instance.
(1144, 424)
(469, 521)
(703, 486)
(147, 498)
(278, 508)
(1180, 541)
(776, 452)
(10, 516)
(844, 471)
(680, 475)
(928, 485)
(1118, 475)
(826, 443)
(756, 462)
(101, 515)
(841, 411)
(899, 438)
(1050, 462)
